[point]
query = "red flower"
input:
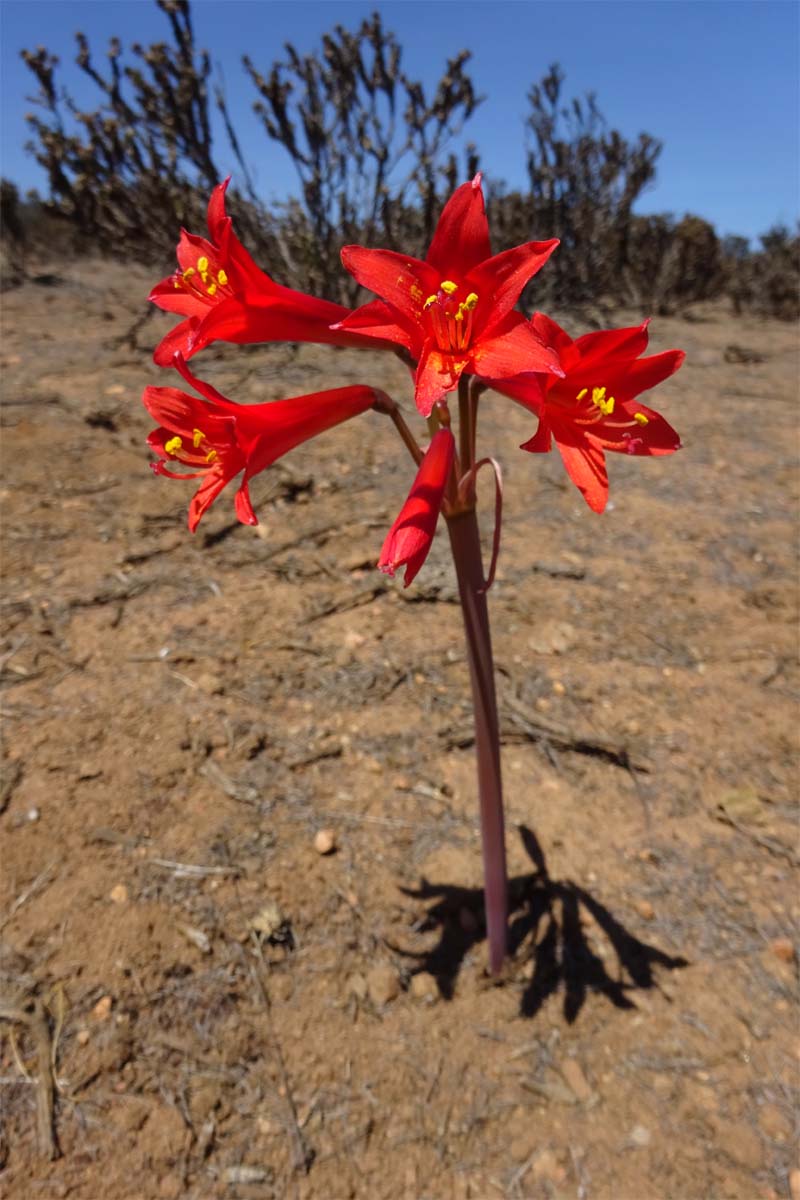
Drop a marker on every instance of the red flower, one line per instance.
(593, 408)
(220, 438)
(225, 296)
(453, 312)
(409, 540)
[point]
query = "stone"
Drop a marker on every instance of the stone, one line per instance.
(774, 1123)
(783, 948)
(119, 894)
(641, 1136)
(383, 984)
(742, 1145)
(102, 1010)
(553, 637)
(576, 1080)
(645, 909)
(424, 987)
(325, 841)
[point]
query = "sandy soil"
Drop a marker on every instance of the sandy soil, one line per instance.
(196, 1003)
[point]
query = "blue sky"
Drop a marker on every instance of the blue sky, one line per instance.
(715, 80)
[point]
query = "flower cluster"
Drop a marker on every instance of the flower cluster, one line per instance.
(452, 319)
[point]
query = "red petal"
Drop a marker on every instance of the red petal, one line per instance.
(645, 373)
(377, 321)
(271, 430)
(513, 349)
(402, 281)
(586, 467)
(528, 390)
(177, 340)
(234, 321)
(595, 348)
(182, 414)
(548, 331)
(499, 281)
(176, 299)
(217, 217)
(656, 438)
(542, 440)
(461, 240)
(207, 493)
(409, 540)
(437, 374)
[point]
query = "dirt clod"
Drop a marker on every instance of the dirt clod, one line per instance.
(383, 984)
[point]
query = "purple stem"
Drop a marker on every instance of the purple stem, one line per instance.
(466, 547)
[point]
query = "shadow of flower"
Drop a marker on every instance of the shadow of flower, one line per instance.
(545, 927)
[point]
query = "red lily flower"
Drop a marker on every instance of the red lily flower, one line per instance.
(220, 438)
(409, 540)
(453, 312)
(594, 407)
(226, 297)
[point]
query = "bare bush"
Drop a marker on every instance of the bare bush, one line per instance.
(367, 143)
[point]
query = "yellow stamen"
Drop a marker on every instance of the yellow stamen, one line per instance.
(448, 287)
(641, 418)
(197, 437)
(212, 288)
(187, 274)
(471, 301)
(211, 456)
(173, 446)
(202, 263)
(204, 275)
(581, 393)
(431, 300)
(606, 406)
(222, 278)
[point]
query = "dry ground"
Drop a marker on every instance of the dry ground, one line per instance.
(195, 1002)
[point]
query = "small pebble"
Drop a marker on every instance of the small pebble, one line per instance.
(102, 1010)
(424, 987)
(357, 987)
(558, 688)
(325, 841)
(641, 1136)
(383, 985)
(82, 1037)
(32, 814)
(645, 909)
(575, 1079)
(119, 894)
(783, 948)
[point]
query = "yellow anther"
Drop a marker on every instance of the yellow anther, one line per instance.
(431, 300)
(222, 278)
(212, 454)
(187, 274)
(448, 287)
(641, 418)
(173, 445)
(212, 288)
(197, 437)
(471, 301)
(204, 275)
(606, 406)
(581, 393)
(202, 263)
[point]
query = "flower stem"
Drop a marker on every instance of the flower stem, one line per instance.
(466, 548)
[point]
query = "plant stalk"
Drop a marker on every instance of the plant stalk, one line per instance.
(466, 548)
